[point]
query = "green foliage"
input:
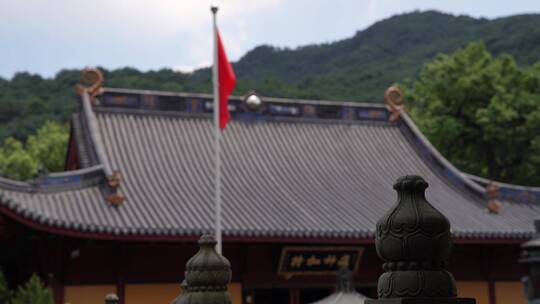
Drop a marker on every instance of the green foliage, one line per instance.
(15, 161)
(362, 67)
(33, 292)
(49, 146)
(5, 293)
(47, 149)
(483, 113)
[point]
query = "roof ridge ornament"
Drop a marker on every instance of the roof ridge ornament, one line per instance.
(113, 181)
(253, 101)
(90, 87)
(492, 193)
(395, 104)
(91, 80)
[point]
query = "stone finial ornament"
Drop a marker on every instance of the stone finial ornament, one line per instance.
(207, 276)
(530, 256)
(394, 102)
(413, 239)
(111, 298)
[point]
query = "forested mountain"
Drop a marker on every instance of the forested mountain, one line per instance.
(358, 68)
(392, 50)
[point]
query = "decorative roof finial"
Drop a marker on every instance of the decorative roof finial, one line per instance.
(413, 238)
(114, 197)
(394, 101)
(214, 8)
(253, 101)
(91, 80)
(492, 192)
(207, 276)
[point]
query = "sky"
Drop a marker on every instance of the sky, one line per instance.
(45, 36)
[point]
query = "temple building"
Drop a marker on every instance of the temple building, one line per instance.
(304, 183)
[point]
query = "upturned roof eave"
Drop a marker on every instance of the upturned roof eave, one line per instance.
(437, 156)
(365, 240)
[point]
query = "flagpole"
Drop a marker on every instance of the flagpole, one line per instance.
(217, 133)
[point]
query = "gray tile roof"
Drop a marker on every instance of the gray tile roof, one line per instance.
(282, 177)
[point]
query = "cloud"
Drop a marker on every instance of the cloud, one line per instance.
(47, 35)
(190, 68)
(124, 26)
(128, 17)
(372, 10)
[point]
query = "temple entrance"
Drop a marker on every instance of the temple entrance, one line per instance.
(270, 296)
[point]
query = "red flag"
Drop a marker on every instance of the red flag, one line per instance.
(227, 82)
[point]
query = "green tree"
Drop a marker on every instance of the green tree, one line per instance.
(15, 162)
(5, 293)
(49, 146)
(33, 292)
(483, 113)
(46, 149)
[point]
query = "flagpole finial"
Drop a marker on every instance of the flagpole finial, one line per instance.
(214, 8)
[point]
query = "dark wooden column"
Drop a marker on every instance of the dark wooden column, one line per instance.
(413, 239)
(294, 296)
(489, 263)
(120, 262)
(58, 275)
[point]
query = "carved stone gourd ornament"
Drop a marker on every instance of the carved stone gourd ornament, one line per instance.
(413, 239)
(207, 276)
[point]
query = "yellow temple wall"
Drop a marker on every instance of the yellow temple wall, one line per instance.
(87, 294)
(135, 293)
(474, 289)
(509, 292)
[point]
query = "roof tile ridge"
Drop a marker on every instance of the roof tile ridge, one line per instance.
(241, 98)
(95, 134)
(82, 171)
(14, 185)
(55, 182)
(483, 180)
(497, 191)
(409, 123)
(84, 150)
(113, 177)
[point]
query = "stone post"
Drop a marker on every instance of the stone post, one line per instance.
(344, 280)
(207, 276)
(531, 257)
(413, 240)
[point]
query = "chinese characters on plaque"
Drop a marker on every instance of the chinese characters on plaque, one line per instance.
(318, 260)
